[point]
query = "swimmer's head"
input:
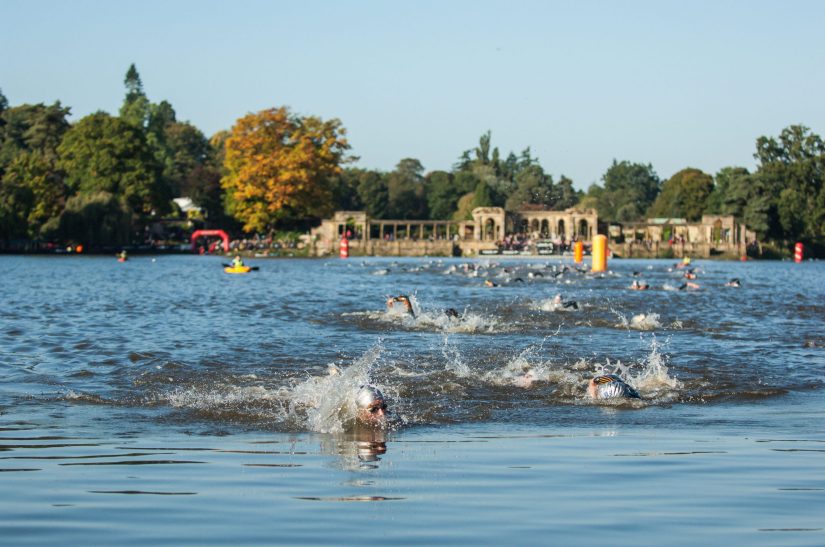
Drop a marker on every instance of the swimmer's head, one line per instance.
(372, 409)
(610, 386)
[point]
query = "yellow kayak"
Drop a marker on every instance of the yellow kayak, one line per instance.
(237, 269)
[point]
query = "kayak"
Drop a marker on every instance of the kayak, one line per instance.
(121, 259)
(237, 269)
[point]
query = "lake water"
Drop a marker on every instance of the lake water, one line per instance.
(162, 401)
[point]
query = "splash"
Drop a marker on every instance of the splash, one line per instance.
(326, 404)
(526, 369)
(641, 321)
(650, 377)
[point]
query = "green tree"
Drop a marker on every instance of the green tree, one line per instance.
(407, 190)
(442, 195)
(565, 196)
(629, 190)
(185, 149)
(95, 219)
(792, 169)
(135, 107)
(101, 153)
(482, 197)
(40, 191)
(374, 193)
(684, 195)
(345, 190)
(32, 128)
(534, 190)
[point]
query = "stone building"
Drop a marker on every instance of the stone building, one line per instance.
(659, 237)
(487, 232)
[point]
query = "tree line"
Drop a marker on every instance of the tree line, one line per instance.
(104, 180)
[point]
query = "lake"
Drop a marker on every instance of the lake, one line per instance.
(163, 401)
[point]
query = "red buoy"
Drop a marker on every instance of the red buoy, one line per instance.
(344, 247)
(798, 252)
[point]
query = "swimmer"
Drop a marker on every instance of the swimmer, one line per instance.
(404, 299)
(610, 386)
(451, 313)
(687, 285)
(639, 286)
(372, 408)
(531, 275)
(734, 283)
(557, 301)
(489, 283)
(689, 274)
(518, 280)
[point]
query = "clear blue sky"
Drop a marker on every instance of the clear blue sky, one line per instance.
(672, 83)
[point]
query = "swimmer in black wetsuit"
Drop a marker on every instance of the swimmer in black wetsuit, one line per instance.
(734, 283)
(569, 304)
(451, 313)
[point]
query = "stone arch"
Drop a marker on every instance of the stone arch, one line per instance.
(534, 225)
(560, 231)
(489, 229)
(584, 229)
(545, 228)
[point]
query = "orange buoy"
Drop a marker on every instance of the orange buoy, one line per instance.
(798, 252)
(344, 248)
(578, 252)
(599, 253)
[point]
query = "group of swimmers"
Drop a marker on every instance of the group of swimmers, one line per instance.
(373, 410)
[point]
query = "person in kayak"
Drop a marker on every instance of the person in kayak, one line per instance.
(610, 386)
(237, 262)
(372, 408)
(402, 298)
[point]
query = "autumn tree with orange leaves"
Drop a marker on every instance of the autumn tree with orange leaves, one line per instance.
(279, 165)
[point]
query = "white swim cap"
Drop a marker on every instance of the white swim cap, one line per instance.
(368, 395)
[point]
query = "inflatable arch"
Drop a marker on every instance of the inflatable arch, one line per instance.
(206, 233)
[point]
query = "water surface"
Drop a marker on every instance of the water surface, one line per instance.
(161, 400)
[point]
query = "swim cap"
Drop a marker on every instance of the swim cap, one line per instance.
(368, 395)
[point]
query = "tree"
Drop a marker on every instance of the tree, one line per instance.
(278, 166)
(792, 169)
(105, 154)
(482, 196)
(565, 196)
(345, 190)
(720, 200)
(185, 150)
(684, 195)
(30, 183)
(534, 190)
(442, 195)
(32, 128)
(374, 194)
(95, 219)
(629, 189)
(40, 191)
(407, 190)
(135, 107)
